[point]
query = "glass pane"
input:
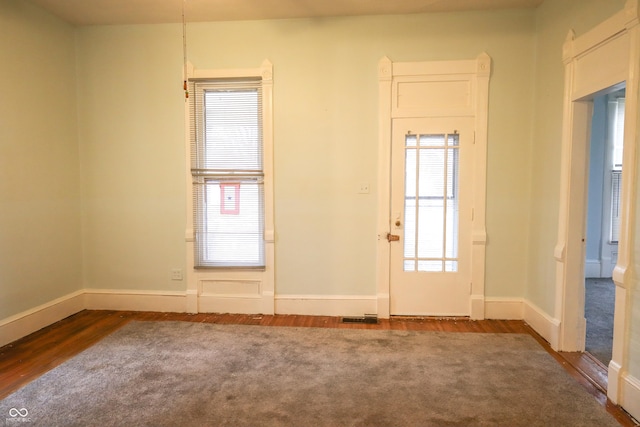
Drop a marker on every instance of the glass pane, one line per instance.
(232, 130)
(410, 228)
(233, 228)
(410, 173)
(432, 140)
(618, 133)
(432, 266)
(451, 266)
(452, 206)
(409, 265)
(410, 203)
(410, 140)
(430, 229)
(431, 169)
(431, 203)
(616, 181)
(453, 139)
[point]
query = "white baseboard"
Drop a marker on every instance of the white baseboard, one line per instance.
(592, 268)
(478, 307)
(608, 264)
(542, 323)
(316, 305)
(237, 304)
(326, 305)
(504, 308)
(27, 322)
(631, 395)
(614, 379)
(131, 300)
(23, 324)
(383, 306)
(624, 389)
(238, 295)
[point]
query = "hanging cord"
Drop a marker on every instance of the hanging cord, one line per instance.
(184, 49)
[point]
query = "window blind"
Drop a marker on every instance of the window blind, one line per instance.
(616, 180)
(227, 171)
(618, 133)
(616, 173)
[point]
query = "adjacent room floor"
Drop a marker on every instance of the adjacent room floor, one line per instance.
(599, 307)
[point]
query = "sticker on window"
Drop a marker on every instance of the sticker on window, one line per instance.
(230, 198)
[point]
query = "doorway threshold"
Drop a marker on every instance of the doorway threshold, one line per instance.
(591, 368)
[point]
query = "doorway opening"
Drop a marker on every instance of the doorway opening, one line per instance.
(602, 223)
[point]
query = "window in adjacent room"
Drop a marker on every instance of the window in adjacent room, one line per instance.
(616, 167)
(227, 168)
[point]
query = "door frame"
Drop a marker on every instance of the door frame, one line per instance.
(475, 75)
(601, 59)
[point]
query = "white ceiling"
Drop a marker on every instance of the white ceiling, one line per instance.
(110, 12)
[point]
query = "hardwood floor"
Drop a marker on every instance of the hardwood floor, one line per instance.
(26, 359)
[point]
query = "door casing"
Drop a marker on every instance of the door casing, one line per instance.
(596, 62)
(459, 89)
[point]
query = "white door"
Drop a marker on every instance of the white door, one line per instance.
(430, 271)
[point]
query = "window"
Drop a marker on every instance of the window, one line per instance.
(227, 169)
(431, 202)
(618, 133)
(616, 168)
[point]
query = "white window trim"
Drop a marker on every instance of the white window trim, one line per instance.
(234, 290)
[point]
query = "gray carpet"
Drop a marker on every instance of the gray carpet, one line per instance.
(598, 310)
(192, 374)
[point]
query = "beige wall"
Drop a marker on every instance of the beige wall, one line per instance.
(131, 129)
(554, 19)
(39, 176)
(325, 91)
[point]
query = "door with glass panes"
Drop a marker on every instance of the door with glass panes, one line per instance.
(430, 238)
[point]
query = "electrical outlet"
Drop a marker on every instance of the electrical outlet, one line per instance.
(176, 274)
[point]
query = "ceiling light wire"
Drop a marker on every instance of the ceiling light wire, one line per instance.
(184, 50)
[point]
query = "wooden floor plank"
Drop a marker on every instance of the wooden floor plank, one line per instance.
(30, 357)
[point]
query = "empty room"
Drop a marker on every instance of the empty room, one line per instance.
(230, 212)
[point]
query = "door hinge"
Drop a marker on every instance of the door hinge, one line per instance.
(470, 288)
(474, 137)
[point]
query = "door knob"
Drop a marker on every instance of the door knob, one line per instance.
(398, 223)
